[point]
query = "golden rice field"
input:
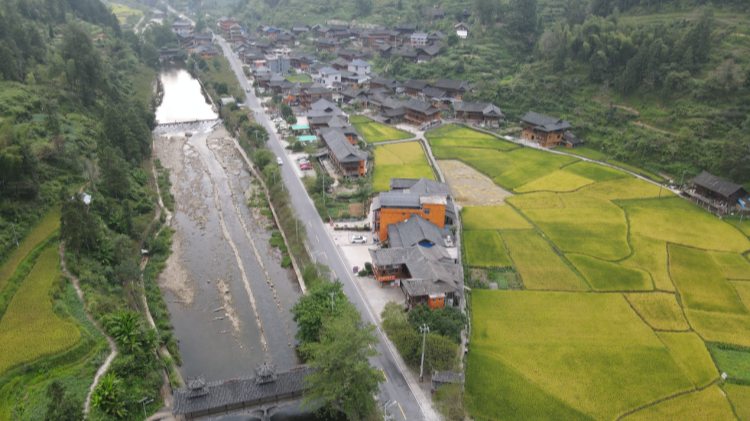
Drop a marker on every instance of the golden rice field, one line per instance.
(691, 354)
(540, 268)
(46, 227)
(467, 138)
(625, 285)
(399, 160)
(659, 310)
(485, 249)
(708, 404)
(492, 218)
(374, 132)
(30, 329)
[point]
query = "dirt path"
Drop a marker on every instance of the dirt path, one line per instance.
(112, 345)
(644, 125)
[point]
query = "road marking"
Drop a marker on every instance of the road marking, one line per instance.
(324, 254)
(369, 346)
(316, 237)
(310, 223)
(402, 410)
(386, 378)
(334, 274)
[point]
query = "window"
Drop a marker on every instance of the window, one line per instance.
(403, 213)
(427, 211)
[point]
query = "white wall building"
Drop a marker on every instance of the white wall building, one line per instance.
(327, 76)
(359, 67)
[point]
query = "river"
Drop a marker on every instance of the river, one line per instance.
(226, 290)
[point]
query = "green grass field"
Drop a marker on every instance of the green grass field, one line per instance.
(587, 350)
(597, 155)
(739, 396)
(691, 354)
(30, 329)
(46, 227)
(678, 221)
(299, 77)
(659, 310)
(608, 276)
(700, 282)
(708, 404)
(485, 249)
(399, 160)
(587, 225)
(374, 132)
(467, 138)
(651, 256)
(557, 181)
(540, 268)
(735, 363)
(595, 172)
(492, 218)
(732, 265)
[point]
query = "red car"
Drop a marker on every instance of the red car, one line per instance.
(307, 166)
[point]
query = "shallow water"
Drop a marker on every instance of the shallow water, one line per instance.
(183, 100)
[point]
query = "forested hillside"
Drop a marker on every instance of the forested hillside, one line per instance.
(76, 114)
(660, 84)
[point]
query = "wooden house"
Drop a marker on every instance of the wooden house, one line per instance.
(545, 130)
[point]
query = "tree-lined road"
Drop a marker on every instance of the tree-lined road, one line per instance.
(412, 402)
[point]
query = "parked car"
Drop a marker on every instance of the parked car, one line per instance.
(359, 239)
(306, 167)
(301, 158)
(278, 161)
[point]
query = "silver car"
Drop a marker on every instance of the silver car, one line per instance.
(359, 239)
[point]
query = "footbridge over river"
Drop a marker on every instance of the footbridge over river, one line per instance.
(259, 396)
(187, 126)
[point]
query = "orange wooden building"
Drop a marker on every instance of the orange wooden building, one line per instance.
(545, 130)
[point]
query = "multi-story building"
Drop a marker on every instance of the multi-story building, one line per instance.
(225, 24)
(456, 88)
(349, 160)
(418, 38)
(480, 112)
(420, 112)
(545, 130)
(181, 28)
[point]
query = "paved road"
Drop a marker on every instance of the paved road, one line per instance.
(412, 403)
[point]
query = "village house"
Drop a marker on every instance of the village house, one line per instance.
(301, 61)
(456, 88)
(486, 113)
(284, 38)
(426, 276)
(299, 28)
(340, 64)
(347, 130)
(429, 199)
(437, 97)
(435, 37)
(349, 54)
(436, 14)
(311, 92)
(235, 33)
(414, 87)
(715, 188)
(320, 30)
(462, 30)
(545, 130)
(384, 83)
(359, 67)
(184, 29)
(571, 141)
(350, 161)
(328, 76)
(225, 24)
(445, 378)
(420, 112)
(418, 38)
(206, 51)
(405, 28)
(327, 44)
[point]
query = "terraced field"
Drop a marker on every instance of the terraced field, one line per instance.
(636, 300)
(374, 132)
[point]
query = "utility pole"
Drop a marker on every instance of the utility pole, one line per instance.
(682, 179)
(386, 415)
(145, 401)
(424, 329)
(331, 294)
(741, 215)
(14, 234)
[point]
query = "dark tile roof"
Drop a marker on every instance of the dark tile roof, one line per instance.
(346, 130)
(388, 83)
(399, 200)
(437, 35)
(425, 187)
(215, 395)
(328, 41)
(447, 377)
(406, 26)
(545, 123)
(402, 183)
(341, 62)
(342, 149)
(431, 92)
(716, 184)
(416, 230)
(428, 274)
(455, 85)
(415, 84)
(421, 106)
(572, 139)
(477, 107)
(395, 112)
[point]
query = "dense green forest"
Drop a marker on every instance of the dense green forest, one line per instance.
(662, 84)
(76, 114)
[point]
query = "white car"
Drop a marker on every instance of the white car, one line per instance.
(359, 239)
(278, 161)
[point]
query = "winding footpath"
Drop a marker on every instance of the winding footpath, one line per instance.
(112, 345)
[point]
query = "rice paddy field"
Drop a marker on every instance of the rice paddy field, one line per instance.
(485, 249)
(374, 132)
(399, 160)
(46, 227)
(31, 311)
(634, 300)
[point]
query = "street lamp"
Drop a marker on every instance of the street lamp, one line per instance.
(424, 329)
(145, 401)
(386, 415)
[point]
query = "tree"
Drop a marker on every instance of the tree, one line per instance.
(78, 228)
(449, 400)
(126, 328)
(439, 353)
(486, 10)
(311, 309)
(364, 7)
(150, 55)
(344, 381)
(108, 396)
(263, 157)
(735, 155)
(452, 39)
(523, 16)
(448, 321)
(62, 406)
(115, 173)
(575, 12)
(87, 68)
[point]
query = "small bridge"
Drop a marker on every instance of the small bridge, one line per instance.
(259, 396)
(180, 126)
